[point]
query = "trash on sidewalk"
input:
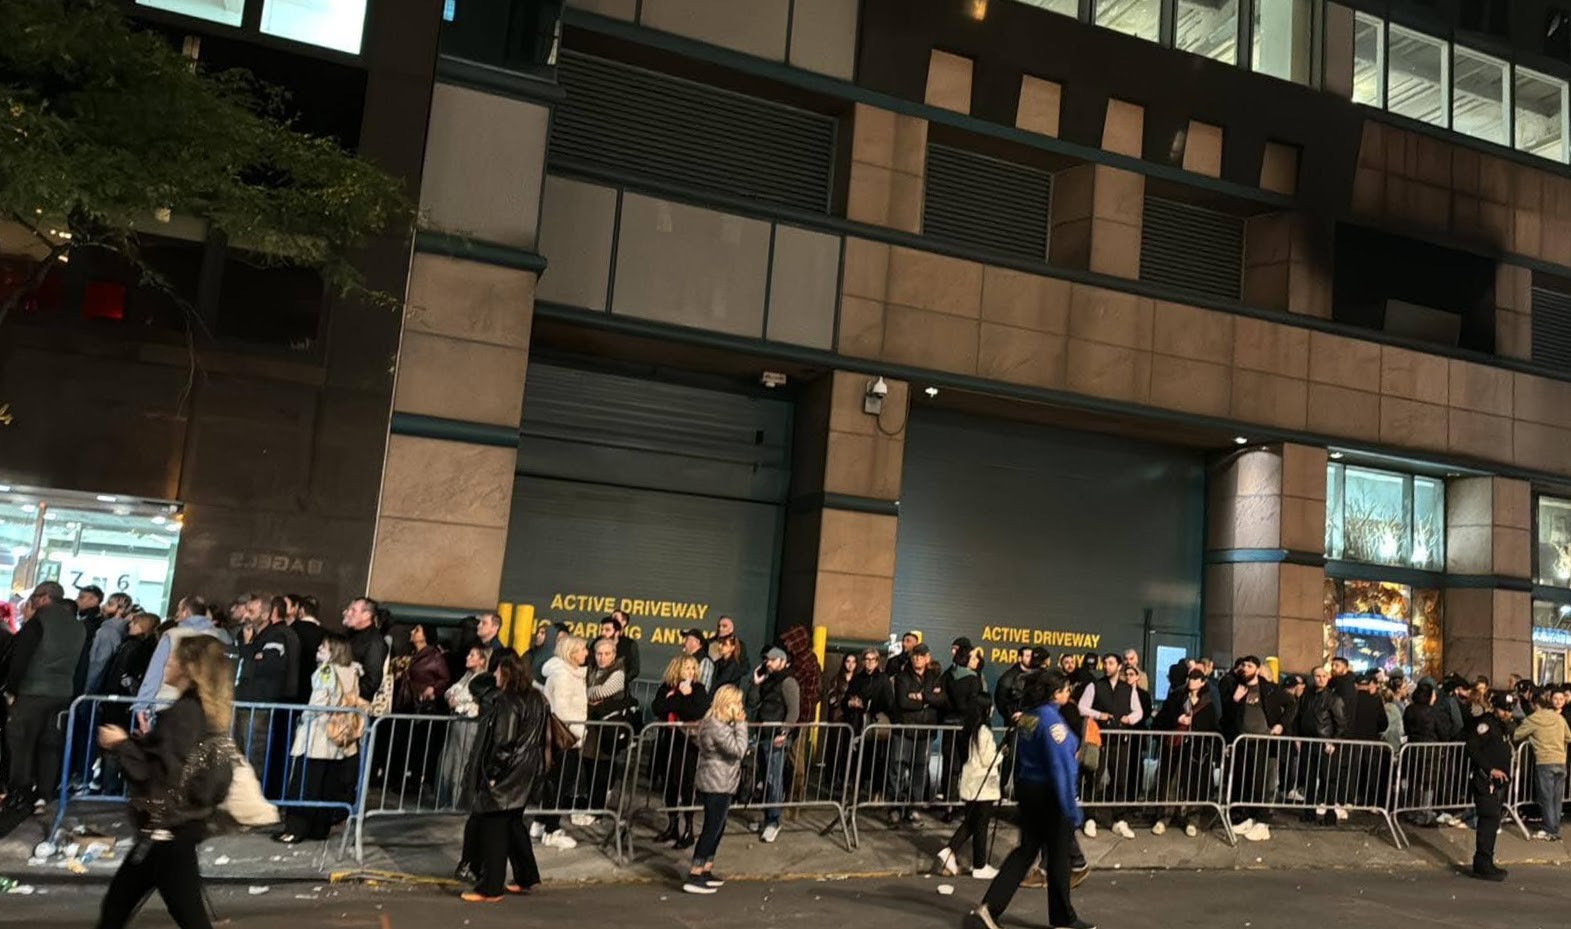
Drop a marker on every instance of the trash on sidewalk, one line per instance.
(256, 890)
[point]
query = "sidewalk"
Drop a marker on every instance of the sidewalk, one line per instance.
(428, 846)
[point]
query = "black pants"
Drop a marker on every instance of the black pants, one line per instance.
(503, 838)
(35, 742)
(716, 807)
(1488, 795)
(1043, 828)
(979, 817)
(313, 779)
(168, 867)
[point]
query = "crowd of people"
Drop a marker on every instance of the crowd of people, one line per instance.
(526, 731)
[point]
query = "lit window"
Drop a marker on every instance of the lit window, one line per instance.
(227, 12)
(1478, 107)
(1541, 115)
(1381, 517)
(1282, 39)
(1209, 28)
(1139, 18)
(1419, 76)
(1553, 568)
(336, 24)
(1066, 7)
(1369, 60)
(449, 10)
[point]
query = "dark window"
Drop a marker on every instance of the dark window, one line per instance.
(281, 307)
(1552, 328)
(986, 203)
(1416, 290)
(1557, 33)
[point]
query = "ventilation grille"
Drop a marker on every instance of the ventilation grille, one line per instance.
(1552, 328)
(1191, 249)
(986, 203)
(646, 125)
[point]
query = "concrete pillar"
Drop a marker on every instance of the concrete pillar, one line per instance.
(888, 164)
(1265, 580)
(838, 568)
(1489, 605)
(1098, 211)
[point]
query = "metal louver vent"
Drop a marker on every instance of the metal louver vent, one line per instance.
(1552, 328)
(1192, 249)
(648, 125)
(985, 203)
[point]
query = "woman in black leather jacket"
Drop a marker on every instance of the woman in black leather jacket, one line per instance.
(509, 755)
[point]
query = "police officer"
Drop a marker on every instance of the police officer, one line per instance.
(1045, 777)
(1489, 749)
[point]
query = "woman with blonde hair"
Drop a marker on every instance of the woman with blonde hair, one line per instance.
(722, 744)
(176, 784)
(680, 702)
(327, 739)
(566, 689)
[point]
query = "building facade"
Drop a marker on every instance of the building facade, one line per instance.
(1219, 326)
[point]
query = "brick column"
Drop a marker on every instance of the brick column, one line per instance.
(1489, 605)
(1265, 581)
(838, 568)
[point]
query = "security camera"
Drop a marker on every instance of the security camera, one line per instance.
(873, 403)
(878, 388)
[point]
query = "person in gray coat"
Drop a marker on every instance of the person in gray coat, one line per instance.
(722, 744)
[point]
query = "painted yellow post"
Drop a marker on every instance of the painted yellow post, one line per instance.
(1275, 664)
(505, 612)
(523, 627)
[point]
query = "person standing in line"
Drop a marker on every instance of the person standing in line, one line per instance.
(680, 699)
(322, 769)
(696, 646)
(1548, 732)
(614, 627)
(919, 699)
(91, 614)
(101, 647)
(730, 663)
(1490, 753)
(777, 707)
(722, 744)
(38, 685)
(367, 644)
(980, 787)
(509, 758)
(173, 793)
(901, 660)
(308, 632)
(567, 690)
(1049, 808)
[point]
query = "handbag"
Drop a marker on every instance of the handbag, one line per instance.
(245, 802)
(1090, 753)
(346, 729)
(558, 739)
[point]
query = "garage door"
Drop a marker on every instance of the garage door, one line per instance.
(664, 500)
(1013, 534)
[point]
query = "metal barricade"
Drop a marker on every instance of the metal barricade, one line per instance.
(1315, 775)
(787, 766)
(644, 692)
(1431, 778)
(422, 767)
(1524, 787)
(1179, 774)
(903, 768)
(290, 746)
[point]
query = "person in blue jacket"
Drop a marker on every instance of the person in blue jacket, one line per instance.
(1045, 775)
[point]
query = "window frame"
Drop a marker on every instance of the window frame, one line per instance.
(1336, 545)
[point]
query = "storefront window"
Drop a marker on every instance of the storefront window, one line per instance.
(1282, 39)
(1551, 641)
(1066, 7)
(226, 12)
(1386, 518)
(1384, 625)
(1369, 60)
(1478, 108)
(1139, 18)
(1541, 115)
(1209, 28)
(337, 24)
(76, 539)
(1419, 76)
(1553, 565)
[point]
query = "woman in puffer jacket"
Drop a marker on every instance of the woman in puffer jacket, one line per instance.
(566, 689)
(979, 788)
(722, 743)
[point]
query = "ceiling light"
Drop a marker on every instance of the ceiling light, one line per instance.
(931, 391)
(5, 488)
(105, 498)
(1240, 440)
(1336, 456)
(159, 520)
(29, 508)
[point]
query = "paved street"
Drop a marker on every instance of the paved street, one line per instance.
(1533, 898)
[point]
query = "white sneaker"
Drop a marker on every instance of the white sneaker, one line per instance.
(559, 839)
(985, 873)
(698, 887)
(1295, 795)
(1320, 812)
(1541, 834)
(536, 830)
(1244, 826)
(1444, 819)
(1122, 828)
(1259, 832)
(771, 832)
(581, 819)
(1160, 827)
(946, 862)
(1341, 815)
(984, 917)
(1090, 828)
(1190, 830)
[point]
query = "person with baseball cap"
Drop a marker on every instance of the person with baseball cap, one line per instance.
(1489, 750)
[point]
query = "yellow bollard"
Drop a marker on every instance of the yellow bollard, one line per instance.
(1275, 664)
(504, 611)
(523, 627)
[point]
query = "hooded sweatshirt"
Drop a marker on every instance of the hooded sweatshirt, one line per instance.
(540, 655)
(1549, 734)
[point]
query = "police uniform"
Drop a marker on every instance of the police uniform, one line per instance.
(1489, 749)
(1045, 776)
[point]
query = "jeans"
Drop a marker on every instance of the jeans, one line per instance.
(912, 751)
(774, 777)
(1551, 782)
(716, 807)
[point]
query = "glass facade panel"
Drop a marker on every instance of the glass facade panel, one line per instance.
(1386, 518)
(1429, 520)
(1541, 115)
(1478, 107)
(1369, 60)
(1419, 78)
(1552, 567)
(1208, 28)
(1066, 7)
(1139, 18)
(337, 24)
(1551, 641)
(227, 12)
(1282, 39)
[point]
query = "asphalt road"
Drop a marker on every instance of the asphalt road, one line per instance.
(1532, 898)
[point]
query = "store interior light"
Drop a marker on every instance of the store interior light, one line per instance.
(1336, 456)
(931, 391)
(29, 508)
(5, 488)
(159, 520)
(1240, 440)
(105, 498)
(1371, 622)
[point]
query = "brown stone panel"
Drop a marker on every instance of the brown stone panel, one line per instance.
(1480, 388)
(1544, 448)
(1257, 523)
(1302, 592)
(469, 300)
(865, 466)
(1100, 315)
(939, 283)
(1512, 553)
(1303, 524)
(949, 81)
(1192, 332)
(1270, 399)
(866, 269)
(930, 340)
(1513, 503)
(1021, 356)
(861, 328)
(490, 390)
(1040, 103)
(1300, 644)
(1118, 195)
(1337, 411)
(1468, 550)
(1279, 168)
(1303, 471)
(1416, 425)
(1260, 345)
(1191, 386)
(437, 563)
(448, 482)
(1369, 192)
(1203, 149)
(1344, 362)
(857, 543)
(1123, 128)
(1411, 375)
(1477, 434)
(1109, 371)
(1027, 301)
(854, 606)
(1115, 249)
(1542, 400)
(1267, 286)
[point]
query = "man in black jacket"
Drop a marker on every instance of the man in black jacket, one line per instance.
(902, 660)
(1255, 707)
(1371, 765)
(308, 631)
(366, 644)
(1011, 686)
(919, 699)
(1323, 716)
(39, 685)
(1489, 750)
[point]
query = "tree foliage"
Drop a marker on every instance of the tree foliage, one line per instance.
(105, 129)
